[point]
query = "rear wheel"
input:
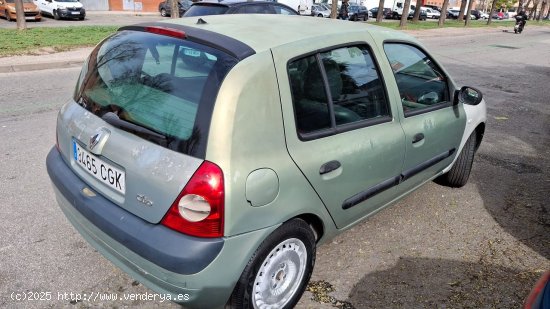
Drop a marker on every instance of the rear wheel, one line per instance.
(319, 15)
(458, 175)
(163, 13)
(8, 18)
(279, 270)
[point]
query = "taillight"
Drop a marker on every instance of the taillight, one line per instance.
(166, 31)
(198, 210)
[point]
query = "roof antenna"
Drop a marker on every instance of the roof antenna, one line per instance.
(201, 21)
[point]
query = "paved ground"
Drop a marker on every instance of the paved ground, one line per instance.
(482, 246)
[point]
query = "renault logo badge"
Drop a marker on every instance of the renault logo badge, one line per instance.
(98, 140)
(95, 139)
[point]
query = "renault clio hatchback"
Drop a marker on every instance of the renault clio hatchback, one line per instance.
(208, 157)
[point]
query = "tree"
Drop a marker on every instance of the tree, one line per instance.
(380, 14)
(461, 13)
(405, 14)
(534, 10)
(443, 15)
(334, 10)
(493, 6)
(417, 10)
(470, 4)
(542, 9)
(174, 6)
(20, 15)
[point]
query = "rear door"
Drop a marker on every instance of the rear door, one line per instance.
(339, 126)
(433, 126)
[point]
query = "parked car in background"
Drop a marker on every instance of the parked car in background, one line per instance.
(483, 15)
(238, 7)
(432, 13)
(358, 12)
(433, 7)
(165, 7)
(452, 13)
(319, 11)
(421, 16)
(58, 9)
(7, 10)
(210, 160)
(386, 13)
(476, 14)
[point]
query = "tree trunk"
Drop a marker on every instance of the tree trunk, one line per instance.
(542, 9)
(526, 5)
(406, 6)
(443, 15)
(380, 14)
(533, 12)
(462, 8)
(493, 6)
(175, 9)
(20, 15)
(470, 4)
(417, 11)
(334, 9)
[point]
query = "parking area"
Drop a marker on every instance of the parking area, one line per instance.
(93, 18)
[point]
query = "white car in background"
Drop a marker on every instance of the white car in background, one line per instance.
(69, 9)
(431, 13)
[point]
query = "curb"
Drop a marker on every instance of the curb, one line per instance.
(40, 66)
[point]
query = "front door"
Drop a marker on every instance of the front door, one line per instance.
(433, 126)
(340, 128)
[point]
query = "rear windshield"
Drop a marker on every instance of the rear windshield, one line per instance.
(206, 9)
(157, 87)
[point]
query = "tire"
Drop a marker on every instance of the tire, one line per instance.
(278, 256)
(319, 15)
(163, 13)
(8, 18)
(55, 15)
(365, 18)
(458, 175)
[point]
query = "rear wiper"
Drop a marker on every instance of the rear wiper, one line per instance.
(113, 119)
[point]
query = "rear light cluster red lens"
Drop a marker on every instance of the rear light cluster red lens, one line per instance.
(198, 210)
(166, 31)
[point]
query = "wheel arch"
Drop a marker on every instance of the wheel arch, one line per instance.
(315, 223)
(479, 131)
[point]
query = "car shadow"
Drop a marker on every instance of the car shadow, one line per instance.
(439, 283)
(512, 166)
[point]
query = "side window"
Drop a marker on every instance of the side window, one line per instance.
(421, 83)
(257, 9)
(309, 96)
(283, 10)
(347, 90)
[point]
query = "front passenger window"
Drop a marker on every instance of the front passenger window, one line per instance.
(421, 83)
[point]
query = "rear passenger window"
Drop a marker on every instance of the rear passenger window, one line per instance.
(336, 88)
(422, 85)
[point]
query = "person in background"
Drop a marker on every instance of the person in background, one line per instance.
(343, 14)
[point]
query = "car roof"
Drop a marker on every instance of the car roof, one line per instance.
(258, 30)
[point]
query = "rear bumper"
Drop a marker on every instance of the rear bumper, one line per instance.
(199, 273)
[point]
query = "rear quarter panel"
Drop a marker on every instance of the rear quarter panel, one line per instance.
(246, 134)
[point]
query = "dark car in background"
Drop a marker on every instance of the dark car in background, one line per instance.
(165, 7)
(386, 13)
(476, 14)
(238, 7)
(358, 12)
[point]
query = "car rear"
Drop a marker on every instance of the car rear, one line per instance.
(129, 168)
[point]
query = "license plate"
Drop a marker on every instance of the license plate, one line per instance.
(75, 13)
(111, 176)
(29, 18)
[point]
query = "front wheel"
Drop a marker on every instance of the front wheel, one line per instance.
(278, 272)
(163, 13)
(365, 18)
(8, 18)
(458, 175)
(56, 15)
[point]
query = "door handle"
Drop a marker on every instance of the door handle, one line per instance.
(417, 138)
(329, 167)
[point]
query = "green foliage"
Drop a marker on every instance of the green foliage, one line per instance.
(16, 42)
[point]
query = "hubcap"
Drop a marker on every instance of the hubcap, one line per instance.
(280, 275)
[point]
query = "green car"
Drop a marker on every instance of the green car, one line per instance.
(207, 157)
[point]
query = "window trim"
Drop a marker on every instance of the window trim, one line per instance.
(443, 104)
(337, 129)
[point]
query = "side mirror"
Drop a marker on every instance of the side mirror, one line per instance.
(467, 95)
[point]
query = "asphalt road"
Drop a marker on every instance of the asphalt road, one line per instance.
(483, 245)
